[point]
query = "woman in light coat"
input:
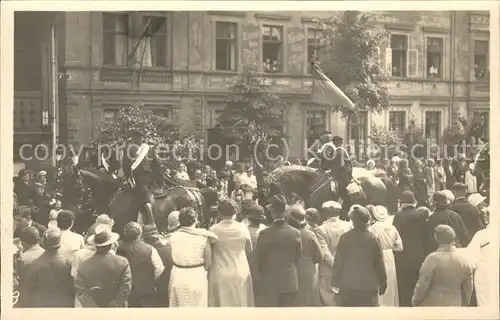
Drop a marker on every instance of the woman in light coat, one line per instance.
(390, 241)
(481, 251)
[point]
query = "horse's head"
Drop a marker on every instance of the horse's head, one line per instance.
(103, 186)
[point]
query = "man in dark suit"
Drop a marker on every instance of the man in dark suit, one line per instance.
(470, 214)
(23, 219)
(47, 281)
(449, 171)
(359, 274)
(138, 162)
(279, 250)
(103, 280)
(443, 215)
(341, 171)
(412, 228)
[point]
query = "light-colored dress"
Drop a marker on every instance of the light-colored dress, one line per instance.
(331, 230)
(481, 254)
(188, 285)
(229, 278)
(389, 239)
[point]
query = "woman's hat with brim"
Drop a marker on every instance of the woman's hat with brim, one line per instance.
(449, 195)
(476, 199)
(256, 212)
(380, 213)
(103, 238)
(173, 221)
(407, 197)
(439, 198)
(298, 214)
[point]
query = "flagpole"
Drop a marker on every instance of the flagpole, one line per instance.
(54, 100)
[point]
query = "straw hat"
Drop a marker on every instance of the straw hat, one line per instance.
(103, 238)
(380, 213)
(476, 199)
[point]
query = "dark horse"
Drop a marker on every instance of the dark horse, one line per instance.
(315, 188)
(118, 200)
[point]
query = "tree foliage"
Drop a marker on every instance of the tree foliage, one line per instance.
(385, 140)
(464, 132)
(350, 57)
(253, 116)
(158, 131)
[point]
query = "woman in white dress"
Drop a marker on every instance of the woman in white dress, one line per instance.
(229, 279)
(390, 241)
(191, 254)
(481, 252)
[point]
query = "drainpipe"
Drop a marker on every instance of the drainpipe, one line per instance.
(91, 78)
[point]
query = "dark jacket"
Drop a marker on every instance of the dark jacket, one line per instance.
(470, 215)
(359, 262)
(20, 225)
(108, 272)
(145, 167)
(450, 176)
(42, 202)
(47, 282)
(138, 254)
(25, 192)
(341, 165)
(279, 250)
(450, 218)
(412, 228)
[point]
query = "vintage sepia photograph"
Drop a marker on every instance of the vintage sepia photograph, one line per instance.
(237, 158)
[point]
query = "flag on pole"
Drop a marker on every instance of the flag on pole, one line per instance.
(153, 25)
(325, 92)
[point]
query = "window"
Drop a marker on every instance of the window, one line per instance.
(481, 59)
(434, 57)
(115, 39)
(397, 120)
(27, 52)
(272, 48)
(313, 45)
(399, 48)
(357, 132)
(315, 125)
(485, 115)
(225, 46)
(110, 115)
(433, 126)
(166, 112)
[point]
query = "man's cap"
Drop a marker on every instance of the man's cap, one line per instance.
(256, 212)
(150, 231)
(449, 195)
(337, 138)
(334, 205)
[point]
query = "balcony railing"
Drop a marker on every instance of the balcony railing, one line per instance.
(128, 75)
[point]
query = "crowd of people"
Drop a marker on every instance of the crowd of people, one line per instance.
(431, 250)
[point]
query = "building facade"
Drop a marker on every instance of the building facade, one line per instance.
(438, 64)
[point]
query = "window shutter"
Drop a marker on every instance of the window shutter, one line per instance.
(412, 63)
(388, 61)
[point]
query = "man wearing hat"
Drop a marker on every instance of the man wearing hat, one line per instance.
(145, 264)
(138, 162)
(341, 169)
(470, 214)
(103, 280)
(47, 281)
(443, 215)
(412, 228)
(279, 250)
(359, 274)
(446, 275)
